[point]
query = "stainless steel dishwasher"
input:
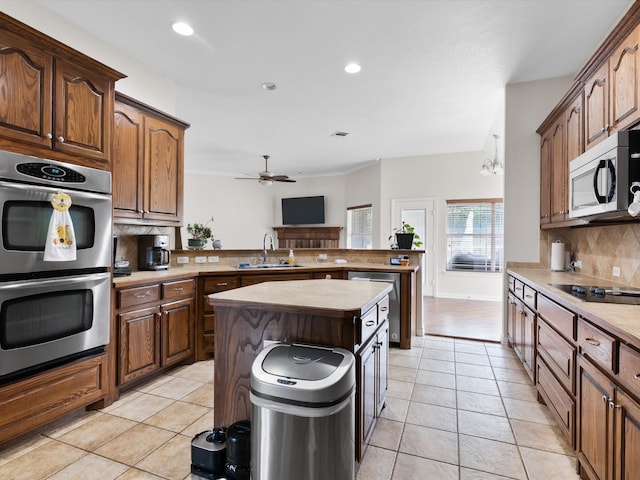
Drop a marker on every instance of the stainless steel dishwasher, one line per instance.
(394, 299)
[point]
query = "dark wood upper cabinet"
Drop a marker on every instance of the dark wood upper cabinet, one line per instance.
(596, 101)
(624, 75)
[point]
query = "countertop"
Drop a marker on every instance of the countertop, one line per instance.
(194, 270)
(622, 320)
(313, 296)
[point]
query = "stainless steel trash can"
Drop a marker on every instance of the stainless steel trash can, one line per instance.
(303, 413)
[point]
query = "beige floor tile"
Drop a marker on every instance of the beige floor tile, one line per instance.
(478, 402)
(491, 456)
(417, 342)
(478, 371)
(484, 425)
(142, 407)
(42, 462)
(176, 388)
(134, 444)
(430, 443)
(432, 416)
(198, 372)
(472, 358)
(395, 409)
(410, 352)
(22, 447)
(437, 365)
(171, 460)
(387, 434)
(74, 422)
(545, 465)
(403, 361)
(124, 398)
(506, 362)
(97, 432)
(433, 344)
(153, 384)
(177, 416)
(436, 354)
(398, 389)
(445, 397)
(487, 386)
(402, 374)
(540, 436)
(436, 379)
(409, 467)
(519, 391)
(205, 422)
(377, 464)
(495, 350)
(470, 347)
(511, 375)
(135, 474)
(469, 474)
(529, 411)
(202, 396)
(91, 466)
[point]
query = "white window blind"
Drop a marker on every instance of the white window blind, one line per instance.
(360, 227)
(475, 235)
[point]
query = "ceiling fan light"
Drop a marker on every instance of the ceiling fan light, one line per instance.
(182, 28)
(265, 182)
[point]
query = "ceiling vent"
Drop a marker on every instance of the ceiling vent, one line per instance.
(339, 134)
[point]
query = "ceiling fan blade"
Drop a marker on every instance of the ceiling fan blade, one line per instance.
(285, 179)
(246, 178)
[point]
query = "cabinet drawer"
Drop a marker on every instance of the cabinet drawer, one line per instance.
(630, 369)
(530, 296)
(518, 289)
(368, 325)
(561, 404)
(598, 345)
(512, 283)
(219, 284)
(383, 310)
(559, 354)
(180, 288)
(131, 297)
(563, 320)
(208, 323)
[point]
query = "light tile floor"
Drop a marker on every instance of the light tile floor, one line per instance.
(456, 409)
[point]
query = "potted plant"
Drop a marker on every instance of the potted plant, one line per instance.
(200, 233)
(405, 238)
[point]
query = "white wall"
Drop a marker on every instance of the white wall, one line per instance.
(244, 210)
(142, 83)
(527, 106)
(450, 176)
(363, 188)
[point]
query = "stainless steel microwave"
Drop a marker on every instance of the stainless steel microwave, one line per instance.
(600, 179)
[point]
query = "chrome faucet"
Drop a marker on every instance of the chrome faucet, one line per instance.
(263, 255)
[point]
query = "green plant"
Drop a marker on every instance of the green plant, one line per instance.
(405, 228)
(200, 231)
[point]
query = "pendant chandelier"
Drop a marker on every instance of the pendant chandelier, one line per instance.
(492, 166)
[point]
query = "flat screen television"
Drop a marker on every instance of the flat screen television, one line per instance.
(303, 210)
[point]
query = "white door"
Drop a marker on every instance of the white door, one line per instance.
(420, 214)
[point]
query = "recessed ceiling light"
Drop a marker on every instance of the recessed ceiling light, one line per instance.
(352, 68)
(269, 86)
(182, 28)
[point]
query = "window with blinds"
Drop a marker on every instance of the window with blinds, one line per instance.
(475, 235)
(360, 227)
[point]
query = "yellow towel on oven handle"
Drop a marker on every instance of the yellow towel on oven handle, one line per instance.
(60, 245)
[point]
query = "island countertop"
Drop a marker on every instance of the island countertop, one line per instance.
(327, 297)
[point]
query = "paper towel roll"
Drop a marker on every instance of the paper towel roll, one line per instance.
(557, 256)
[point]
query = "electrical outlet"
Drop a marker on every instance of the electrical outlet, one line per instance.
(577, 264)
(322, 256)
(213, 259)
(182, 260)
(201, 259)
(616, 271)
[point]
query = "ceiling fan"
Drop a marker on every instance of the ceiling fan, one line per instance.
(267, 177)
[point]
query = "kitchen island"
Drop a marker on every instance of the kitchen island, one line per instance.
(338, 313)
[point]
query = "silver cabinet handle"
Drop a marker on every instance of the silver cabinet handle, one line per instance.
(592, 341)
(49, 136)
(370, 323)
(223, 284)
(178, 289)
(384, 309)
(141, 295)
(613, 405)
(61, 139)
(605, 399)
(637, 376)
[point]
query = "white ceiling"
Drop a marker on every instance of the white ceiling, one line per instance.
(432, 80)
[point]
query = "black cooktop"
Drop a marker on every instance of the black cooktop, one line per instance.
(602, 293)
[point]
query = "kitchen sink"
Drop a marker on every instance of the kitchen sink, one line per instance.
(250, 266)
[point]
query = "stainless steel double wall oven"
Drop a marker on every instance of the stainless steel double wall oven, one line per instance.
(52, 312)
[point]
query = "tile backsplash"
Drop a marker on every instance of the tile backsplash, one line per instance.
(128, 240)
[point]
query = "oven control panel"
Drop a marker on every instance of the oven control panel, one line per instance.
(47, 171)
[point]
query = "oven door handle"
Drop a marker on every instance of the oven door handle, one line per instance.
(24, 187)
(50, 282)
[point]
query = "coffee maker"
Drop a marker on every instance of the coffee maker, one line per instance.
(153, 252)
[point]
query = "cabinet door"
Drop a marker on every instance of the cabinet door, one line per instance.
(574, 130)
(596, 106)
(528, 341)
(383, 367)
(511, 319)
(177, 332)
(624, 75)
(559, 168)
(127, 171)
(164, 170)
(594, 421)
(25, 92)
(627, 437)
(139, 344)
(518, 330)
(545, 179)
(83, 112)
(368, 392)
